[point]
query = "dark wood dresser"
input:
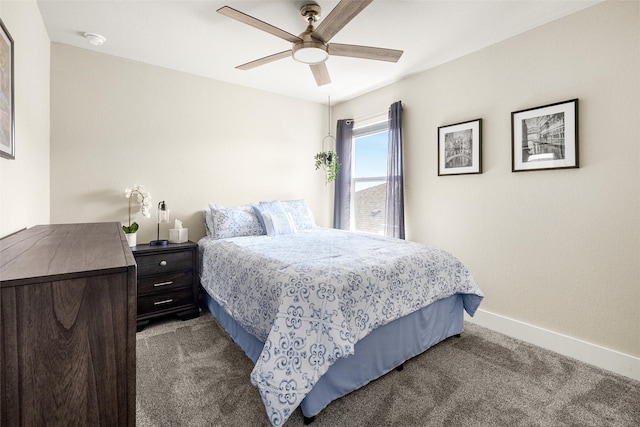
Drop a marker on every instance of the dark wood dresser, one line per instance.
(67, 339)
(168, 281)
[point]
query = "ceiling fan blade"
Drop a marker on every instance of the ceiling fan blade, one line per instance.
(340, 16)
(256, 23)
(320, 73)
(265, 60)
(366, 52)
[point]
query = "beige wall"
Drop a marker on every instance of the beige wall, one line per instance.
(556, 249)
(24, 182)
(187, 139)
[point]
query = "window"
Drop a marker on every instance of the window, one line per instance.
(369, 186)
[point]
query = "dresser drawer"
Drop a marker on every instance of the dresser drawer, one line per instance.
(164, 301)
(165, 282)
(164, 262)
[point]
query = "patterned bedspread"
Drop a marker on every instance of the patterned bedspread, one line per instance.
(310, 296)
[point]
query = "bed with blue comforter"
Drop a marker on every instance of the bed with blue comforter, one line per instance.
(321, 311)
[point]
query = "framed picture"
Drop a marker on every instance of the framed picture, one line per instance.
(7, 148)
(460, 148)
(545, 137)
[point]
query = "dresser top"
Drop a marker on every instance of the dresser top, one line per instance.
(63, 251)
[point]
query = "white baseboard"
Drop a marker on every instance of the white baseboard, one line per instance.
(611, 360)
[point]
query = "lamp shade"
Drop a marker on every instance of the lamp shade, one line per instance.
(163, 218)
(163, 213)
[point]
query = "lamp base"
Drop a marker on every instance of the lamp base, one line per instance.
(158, 243)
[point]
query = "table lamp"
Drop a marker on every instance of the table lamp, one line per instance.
(163, 217)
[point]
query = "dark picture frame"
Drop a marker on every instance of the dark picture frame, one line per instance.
(460, 148)
(7, 137)
(545, 137)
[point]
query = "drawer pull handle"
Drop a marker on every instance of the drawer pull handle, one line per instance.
(156, 285)
(166, 301)
(163, 263)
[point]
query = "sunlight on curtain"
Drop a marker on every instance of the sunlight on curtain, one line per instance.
(395, 189)
(342, 193)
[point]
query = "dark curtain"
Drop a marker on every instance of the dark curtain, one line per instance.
(394, 217)
(342, 192)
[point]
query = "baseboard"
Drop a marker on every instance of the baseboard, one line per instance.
(611, 360)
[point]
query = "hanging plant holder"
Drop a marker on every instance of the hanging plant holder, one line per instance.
(328, 161)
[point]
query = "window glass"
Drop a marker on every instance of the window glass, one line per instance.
(370, 178)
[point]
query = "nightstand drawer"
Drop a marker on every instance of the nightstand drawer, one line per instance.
(164, 301)
(164, 262)
(164, 282)
(168, 281)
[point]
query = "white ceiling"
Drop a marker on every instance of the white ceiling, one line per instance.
(190, 36)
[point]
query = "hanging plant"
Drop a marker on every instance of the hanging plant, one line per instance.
(328, 160)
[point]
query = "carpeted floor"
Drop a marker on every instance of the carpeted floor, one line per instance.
(192, 374)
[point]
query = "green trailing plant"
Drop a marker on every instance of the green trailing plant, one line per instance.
(328, 161)
(145, 203)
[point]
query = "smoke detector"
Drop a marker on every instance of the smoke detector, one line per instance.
(95, 39)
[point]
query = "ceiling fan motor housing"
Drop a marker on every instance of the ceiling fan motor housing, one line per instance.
(310, 50)
(311, 12)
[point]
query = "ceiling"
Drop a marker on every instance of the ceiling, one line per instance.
(190, 36)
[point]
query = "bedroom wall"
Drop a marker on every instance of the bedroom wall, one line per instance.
(189, 140)
(24, 182)
(556, 249)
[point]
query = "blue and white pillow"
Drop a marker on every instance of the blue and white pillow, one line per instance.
(222, 223)
(300, 213)
(273, 218)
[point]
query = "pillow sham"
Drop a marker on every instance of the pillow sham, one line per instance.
(273, 218)
(233, 222)
(208, 221)
(300, 213)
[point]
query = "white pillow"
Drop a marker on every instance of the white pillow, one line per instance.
(274, 219)
(300, 213)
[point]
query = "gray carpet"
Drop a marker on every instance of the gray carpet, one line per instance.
(192, 374)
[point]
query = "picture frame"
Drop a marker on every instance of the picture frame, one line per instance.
(545, 137)
(7, 137)
(460, 148)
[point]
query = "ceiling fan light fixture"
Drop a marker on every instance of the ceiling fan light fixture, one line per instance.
(310, 52)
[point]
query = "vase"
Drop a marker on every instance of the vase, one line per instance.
(131, 238)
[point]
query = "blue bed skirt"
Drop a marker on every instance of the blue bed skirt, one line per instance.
(378, 353)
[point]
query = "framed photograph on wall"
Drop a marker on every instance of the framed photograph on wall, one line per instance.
(7, 148)
(545, 137)
(460, 148)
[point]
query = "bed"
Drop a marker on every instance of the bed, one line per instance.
(320, 311)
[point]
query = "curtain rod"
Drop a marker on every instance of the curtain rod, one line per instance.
(373, 115)
(368, 117)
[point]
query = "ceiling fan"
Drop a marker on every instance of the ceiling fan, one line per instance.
(312, 46)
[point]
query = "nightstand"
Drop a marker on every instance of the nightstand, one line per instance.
(167, 281)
